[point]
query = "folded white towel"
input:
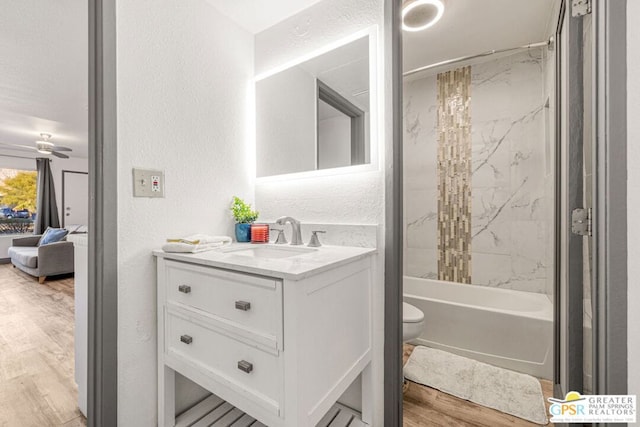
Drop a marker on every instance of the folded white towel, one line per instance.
(196, 243)
(197, 239)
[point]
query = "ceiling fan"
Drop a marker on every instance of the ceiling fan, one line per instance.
(45, 146)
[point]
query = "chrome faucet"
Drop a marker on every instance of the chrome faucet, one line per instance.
(296, 236)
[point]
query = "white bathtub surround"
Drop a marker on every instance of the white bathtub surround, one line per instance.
(510, 392)
(506, 328)
(510, 221)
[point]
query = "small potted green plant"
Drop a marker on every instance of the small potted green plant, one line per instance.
(244, 216)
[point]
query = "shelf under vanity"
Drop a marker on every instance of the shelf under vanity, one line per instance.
(215, 412)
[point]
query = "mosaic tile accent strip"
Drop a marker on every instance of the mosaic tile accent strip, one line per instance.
(454, 176)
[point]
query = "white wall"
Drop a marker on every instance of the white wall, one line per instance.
(183, 106)
(633, 193)
(349, 198)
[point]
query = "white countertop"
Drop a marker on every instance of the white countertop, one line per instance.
(292, 268)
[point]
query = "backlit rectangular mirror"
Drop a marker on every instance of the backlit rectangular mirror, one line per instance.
(315, 114)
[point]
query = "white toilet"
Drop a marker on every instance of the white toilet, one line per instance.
(412, 322)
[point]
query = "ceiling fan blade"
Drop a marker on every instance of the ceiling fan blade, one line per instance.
(62, 156)
(18, 147)
(59, 148)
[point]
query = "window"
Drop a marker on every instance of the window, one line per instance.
(17, 200)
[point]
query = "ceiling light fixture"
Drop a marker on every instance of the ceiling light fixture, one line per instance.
(419, 15)
(44, 146)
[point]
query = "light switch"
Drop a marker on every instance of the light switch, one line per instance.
(148, 183)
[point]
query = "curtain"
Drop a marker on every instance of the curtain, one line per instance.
(46, 198)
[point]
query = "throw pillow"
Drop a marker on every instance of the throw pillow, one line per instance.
(52, 235)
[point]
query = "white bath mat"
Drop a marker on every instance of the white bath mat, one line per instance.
(516, 394)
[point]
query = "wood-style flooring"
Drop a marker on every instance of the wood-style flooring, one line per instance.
(425, 406)
(37, 387)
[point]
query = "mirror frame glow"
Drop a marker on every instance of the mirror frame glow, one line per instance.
(375, 87)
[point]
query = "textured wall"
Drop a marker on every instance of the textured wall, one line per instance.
(633, 191)
(509, 225)
(183, 107)
(353, 198)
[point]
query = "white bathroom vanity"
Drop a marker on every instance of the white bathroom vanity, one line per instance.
(275, 332)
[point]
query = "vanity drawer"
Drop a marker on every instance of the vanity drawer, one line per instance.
(230, 361)
(254, 303)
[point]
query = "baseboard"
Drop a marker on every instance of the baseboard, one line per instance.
(5, 260)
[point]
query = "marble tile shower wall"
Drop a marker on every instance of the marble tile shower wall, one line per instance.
(510, 218)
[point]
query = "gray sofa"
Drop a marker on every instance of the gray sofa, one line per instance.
(41, 261)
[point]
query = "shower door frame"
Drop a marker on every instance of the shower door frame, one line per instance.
(609, 207)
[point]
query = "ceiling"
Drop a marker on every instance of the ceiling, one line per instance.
(469, 27)
(43, 54)
(258, 15)
(44, 74)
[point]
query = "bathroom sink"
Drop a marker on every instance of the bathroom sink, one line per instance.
(271, 252)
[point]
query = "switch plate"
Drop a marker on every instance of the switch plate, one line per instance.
(148, 183)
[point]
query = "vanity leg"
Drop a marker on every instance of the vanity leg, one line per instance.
(166, 397)
(367, 395)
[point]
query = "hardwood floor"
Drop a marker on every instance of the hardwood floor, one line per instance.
(37, 387)
(425, 406)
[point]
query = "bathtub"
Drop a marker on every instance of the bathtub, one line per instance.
(505, 328)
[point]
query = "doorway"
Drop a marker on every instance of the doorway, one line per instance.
(582, 281)
(75, 198)
(43, 110)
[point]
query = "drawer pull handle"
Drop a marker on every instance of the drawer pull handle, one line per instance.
(245, 366)
(185, 289)
(243, 305)
(186, 339)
